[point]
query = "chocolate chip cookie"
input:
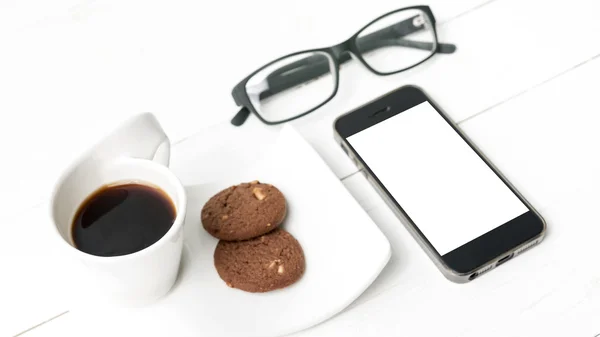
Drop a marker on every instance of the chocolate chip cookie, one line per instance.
(268, 262)
(244, 211)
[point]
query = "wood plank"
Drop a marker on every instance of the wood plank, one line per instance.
(553, 288)
(33, 286)
(546, 143)
(547, 291)
(142, 87)
(504, 48)
(70, 75)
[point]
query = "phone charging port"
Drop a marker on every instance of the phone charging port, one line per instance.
(504, 259)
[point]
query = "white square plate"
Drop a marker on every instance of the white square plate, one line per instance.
(344, 250)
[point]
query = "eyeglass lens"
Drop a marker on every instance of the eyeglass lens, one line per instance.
(397, 41)
(292, 86)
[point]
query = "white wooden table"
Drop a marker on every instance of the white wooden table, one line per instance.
(523, 84)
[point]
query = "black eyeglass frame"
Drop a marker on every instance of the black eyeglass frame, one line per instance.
(336, 52)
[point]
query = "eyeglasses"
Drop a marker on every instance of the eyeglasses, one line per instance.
(392, 43)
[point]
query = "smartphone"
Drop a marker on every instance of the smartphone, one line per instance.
(466, 216)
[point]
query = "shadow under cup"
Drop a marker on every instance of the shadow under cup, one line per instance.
(130, 279)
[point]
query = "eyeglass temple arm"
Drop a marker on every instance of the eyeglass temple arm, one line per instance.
(240, 117)
(314, 66)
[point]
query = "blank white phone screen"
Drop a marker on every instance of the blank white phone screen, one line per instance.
(441, 183)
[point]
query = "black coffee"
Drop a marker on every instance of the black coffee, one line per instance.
(122, 219)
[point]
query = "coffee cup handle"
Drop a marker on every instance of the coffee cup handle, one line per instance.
(140, 137)
(163, 153)
(160, 151)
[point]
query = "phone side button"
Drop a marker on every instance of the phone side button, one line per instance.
(344, 148)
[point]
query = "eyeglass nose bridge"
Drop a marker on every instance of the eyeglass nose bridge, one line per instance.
(342, 50)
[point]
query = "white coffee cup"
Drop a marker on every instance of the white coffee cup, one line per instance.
(137, 152)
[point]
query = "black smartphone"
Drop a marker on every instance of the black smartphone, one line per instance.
(466, 216)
